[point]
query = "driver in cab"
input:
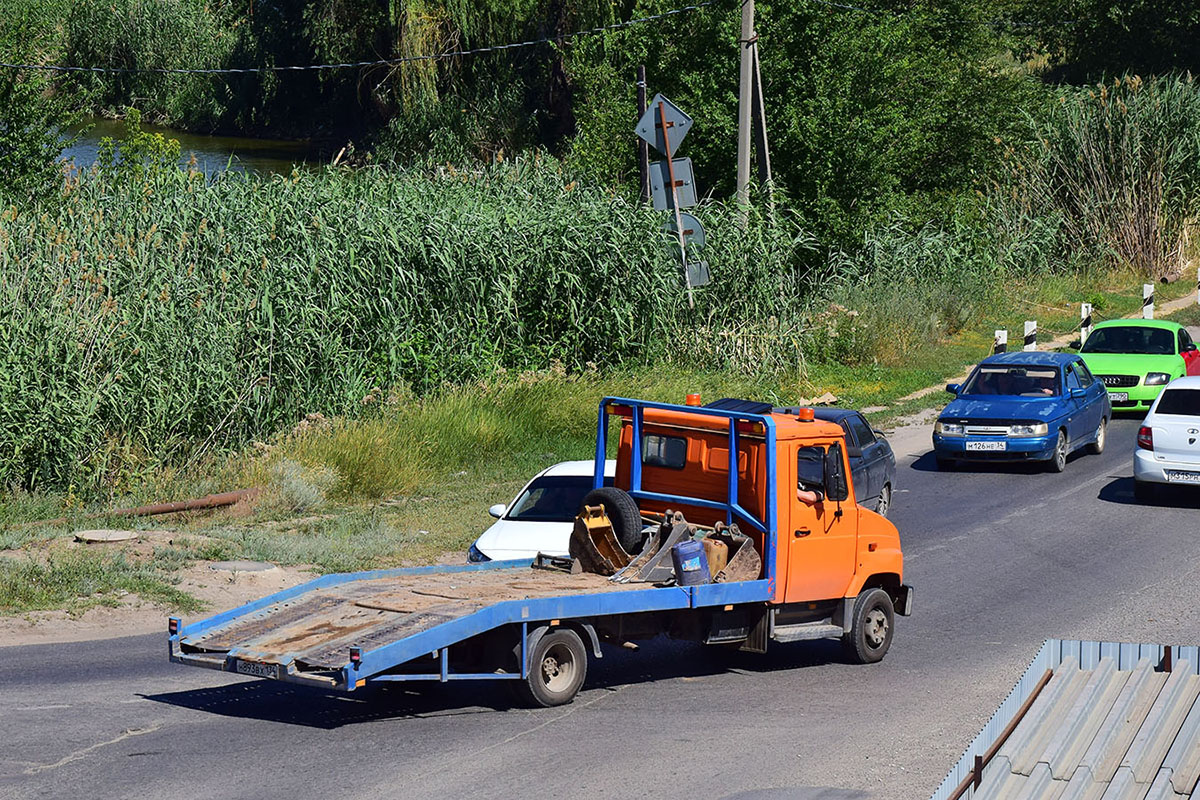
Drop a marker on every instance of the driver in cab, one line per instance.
(810, 475)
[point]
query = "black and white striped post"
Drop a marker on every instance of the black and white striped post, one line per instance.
(1085, 321)
(1000, 343)
(1030, 335)
(1147, 301)
(1198, 286)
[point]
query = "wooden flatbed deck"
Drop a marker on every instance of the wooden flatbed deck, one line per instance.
(317, 628)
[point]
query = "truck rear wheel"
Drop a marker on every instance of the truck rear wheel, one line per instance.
(623, 513)
(557, 669)
(874, 622)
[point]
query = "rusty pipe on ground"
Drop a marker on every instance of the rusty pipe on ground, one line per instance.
(219, 500)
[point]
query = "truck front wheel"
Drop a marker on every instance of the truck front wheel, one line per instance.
(871, 632)
(557, 669)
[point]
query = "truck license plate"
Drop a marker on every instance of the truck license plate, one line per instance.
(257, 670)
(1120, 397)
(1182, 476)
(987, 445)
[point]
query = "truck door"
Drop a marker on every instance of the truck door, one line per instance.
(822, 544)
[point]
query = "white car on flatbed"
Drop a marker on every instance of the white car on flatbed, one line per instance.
(1168, 443)
(541, 517)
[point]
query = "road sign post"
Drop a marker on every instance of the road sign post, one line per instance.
(687, 278)
(663, 126)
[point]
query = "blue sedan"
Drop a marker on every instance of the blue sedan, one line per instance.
(1023, 407)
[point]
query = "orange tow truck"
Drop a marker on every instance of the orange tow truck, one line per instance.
(730, 524)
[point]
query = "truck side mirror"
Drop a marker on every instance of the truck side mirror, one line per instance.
(835, 480)
(953, 388)
(498, 510)
(1075, 344)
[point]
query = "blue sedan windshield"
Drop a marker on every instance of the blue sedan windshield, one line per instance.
(1013, 381)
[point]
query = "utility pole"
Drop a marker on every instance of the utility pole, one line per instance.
(745, 105)
(643, 148)
(760, 144)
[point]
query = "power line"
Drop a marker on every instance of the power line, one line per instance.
(564, 39)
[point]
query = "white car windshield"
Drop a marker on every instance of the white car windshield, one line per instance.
(1014, 381)
(1181, 402)
(552, 499)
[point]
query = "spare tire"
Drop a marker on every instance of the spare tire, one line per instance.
(623, 513)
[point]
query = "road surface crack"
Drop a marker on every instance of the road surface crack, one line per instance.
(81, 754)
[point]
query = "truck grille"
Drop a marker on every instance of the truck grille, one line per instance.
(1119, 381)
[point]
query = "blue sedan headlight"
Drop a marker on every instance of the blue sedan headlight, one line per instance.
(1028, 429)
(948, 428)
(474, 556)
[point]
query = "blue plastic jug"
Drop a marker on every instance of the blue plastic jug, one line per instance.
(691, 564)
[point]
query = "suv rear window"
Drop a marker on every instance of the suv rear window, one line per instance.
(1182, 402)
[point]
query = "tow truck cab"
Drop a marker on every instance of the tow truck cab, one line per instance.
(825, 554)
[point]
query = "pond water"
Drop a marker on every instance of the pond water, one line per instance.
(213, 153)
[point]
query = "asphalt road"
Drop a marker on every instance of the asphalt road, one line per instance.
(1001, 558)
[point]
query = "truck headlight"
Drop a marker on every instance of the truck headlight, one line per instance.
(1025, 429)
(475, 556)
(1156, 379)
(947, 428)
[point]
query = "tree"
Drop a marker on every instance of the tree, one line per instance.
(866, 111)
(30, 139)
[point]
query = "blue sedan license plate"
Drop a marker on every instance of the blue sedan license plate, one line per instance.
(987, 445)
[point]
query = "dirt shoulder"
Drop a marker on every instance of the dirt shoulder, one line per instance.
(219, 589)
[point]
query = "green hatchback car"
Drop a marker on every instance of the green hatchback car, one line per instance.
(1136, 358)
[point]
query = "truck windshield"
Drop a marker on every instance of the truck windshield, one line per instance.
(1014, 381)
(552, 499)
(1181, 402)
(1131, 339)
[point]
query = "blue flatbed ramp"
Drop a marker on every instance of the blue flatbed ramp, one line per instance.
(392, 617)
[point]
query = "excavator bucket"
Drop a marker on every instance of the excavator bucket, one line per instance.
(595, 544)
(744, 562)
(653, 564)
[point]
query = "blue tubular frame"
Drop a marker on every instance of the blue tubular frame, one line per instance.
(730, 506)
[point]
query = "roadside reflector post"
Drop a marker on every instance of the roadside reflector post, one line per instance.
(1000, 342)
(1085, 321)
(1147, 301)
(1030, 335)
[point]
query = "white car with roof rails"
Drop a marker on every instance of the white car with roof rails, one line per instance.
(541, 516)
(1168, 443)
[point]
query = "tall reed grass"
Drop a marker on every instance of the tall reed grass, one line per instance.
(164, 315)
(1119, 163)
(154, 316)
